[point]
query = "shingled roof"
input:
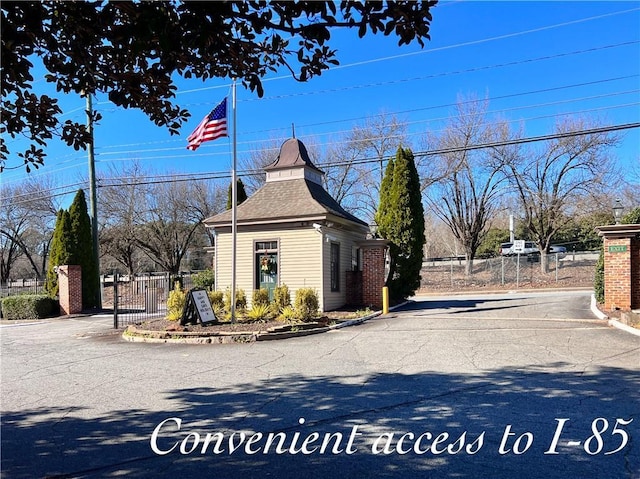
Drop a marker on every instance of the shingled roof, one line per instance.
(283, 200)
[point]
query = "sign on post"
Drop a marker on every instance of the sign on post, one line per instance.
(518, 246)
(197, 307)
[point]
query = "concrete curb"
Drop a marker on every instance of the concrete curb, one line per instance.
(594, 308)
(501, 291)
(143, 336)
(352, 322)
(617, 324)
(611, 321)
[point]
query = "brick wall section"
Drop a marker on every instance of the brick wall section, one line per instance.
(617, 274)
(373, 275)
(70, 289)
(621, 266)
(635, 273)
(354, 288)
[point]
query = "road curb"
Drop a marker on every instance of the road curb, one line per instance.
(611, 321)
(594, 308)
(617, 324)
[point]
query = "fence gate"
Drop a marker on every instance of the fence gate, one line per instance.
(139, 298)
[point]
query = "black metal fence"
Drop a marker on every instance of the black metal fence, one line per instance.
(22, 286)
(139, 298)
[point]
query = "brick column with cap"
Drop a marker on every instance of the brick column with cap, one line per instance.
(373, 273)
(621, 266)
(70, 289)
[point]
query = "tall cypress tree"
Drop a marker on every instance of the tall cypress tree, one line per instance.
(83, 250)
(60, 251)
(400, 219)
(383, 215)
(241, 194)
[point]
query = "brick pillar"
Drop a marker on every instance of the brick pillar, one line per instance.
(635, 273)
(621, 266)
(617, 273)
(70, 288)
(373, 255)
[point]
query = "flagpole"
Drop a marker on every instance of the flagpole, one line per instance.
(234, 200)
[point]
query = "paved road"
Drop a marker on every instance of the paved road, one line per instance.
(496, 386)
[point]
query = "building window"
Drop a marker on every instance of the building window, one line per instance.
(335, 266)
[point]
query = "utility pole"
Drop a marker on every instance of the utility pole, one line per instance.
(93, 207)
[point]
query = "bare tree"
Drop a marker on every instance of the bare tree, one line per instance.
(252, 165)
(372, 144)
(466, 197)
(27, 218)
(122, 198)
(346, 181)
(170, 224)
(206, 199)
(551, 179)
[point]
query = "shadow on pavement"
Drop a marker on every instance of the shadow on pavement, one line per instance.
(46, 442)
(468, 304)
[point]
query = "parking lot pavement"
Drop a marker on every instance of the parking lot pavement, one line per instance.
(525, 384)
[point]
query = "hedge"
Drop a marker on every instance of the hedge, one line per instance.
(28, 306)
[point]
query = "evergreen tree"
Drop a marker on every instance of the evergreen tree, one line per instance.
(400, 219)
(241, 194)
(60, 250)
(82, 250)
(383, 216)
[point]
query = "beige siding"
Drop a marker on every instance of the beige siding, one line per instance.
(299, 259)
(244, 262)
(301, 255)
(330, 299)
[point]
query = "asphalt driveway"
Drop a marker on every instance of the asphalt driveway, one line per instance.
(497, 386)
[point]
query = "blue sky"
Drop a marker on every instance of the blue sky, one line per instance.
(534, 60)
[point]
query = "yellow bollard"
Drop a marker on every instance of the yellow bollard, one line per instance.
(385, 300)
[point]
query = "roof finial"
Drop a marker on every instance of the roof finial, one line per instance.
(293, 130)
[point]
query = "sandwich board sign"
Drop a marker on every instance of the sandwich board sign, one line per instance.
(197, 307)
(518, 246)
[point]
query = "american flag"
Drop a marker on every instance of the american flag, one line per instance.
(212, 127)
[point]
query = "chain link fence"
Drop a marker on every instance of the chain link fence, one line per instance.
(509, 272)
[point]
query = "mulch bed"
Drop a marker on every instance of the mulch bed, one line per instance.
(239, 326)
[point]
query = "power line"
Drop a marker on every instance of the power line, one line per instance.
(207, 176)
(433, 107)
(590, 50)
(339, 140)
(438, 75)
(438, 49)
(515, 141)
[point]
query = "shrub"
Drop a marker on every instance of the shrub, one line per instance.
(288, 314)
(598, 282)
(28, 306)
(281, 297)
(261, 297)
(217, 303)
(241, 299)
(306, 304)
(204, 279)
(175, 302)
(216, 298)
(258, 312)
